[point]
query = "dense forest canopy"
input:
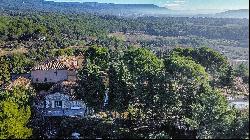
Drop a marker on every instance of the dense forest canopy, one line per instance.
(54, 30)
(211, 28)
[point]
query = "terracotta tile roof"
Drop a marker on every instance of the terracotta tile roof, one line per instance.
(61, 63)
(69, 61)
(52, 65)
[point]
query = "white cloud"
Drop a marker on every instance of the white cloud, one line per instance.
(172, 5)
(180, 1)
(175, 5)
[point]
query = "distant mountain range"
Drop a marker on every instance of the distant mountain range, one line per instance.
(242, 13)
(128, 10)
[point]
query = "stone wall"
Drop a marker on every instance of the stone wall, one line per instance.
(49, 76)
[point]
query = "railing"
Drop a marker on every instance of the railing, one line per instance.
(83, 112)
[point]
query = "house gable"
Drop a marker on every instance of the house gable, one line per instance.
(57, 97)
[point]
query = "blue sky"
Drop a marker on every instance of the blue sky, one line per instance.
(180, 4)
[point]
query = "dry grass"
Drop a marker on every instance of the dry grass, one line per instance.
(123, 115)
(8, 51)
(118, 35)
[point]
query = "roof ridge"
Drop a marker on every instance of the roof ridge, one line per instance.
(50, 65)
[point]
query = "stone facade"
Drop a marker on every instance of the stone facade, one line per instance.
(60, 99)
(53, 72)
(58, 104)
(48, 76)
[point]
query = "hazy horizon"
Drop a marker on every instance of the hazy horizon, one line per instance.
(179, 4)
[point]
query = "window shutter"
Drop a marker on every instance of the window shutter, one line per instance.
(53, 104)
(46, 104)
(63, 106)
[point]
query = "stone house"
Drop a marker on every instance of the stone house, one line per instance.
(58, 104)
(59, 99)
(52, 72)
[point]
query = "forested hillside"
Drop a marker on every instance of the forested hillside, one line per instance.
(163, 77)
(209, 28)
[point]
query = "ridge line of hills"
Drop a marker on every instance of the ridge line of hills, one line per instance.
(124, 10)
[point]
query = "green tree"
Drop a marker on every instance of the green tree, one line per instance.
(239, 128)
(4, 70)
(227, 77)
(214, 63)
(243, 71)
(212, 60)
(119, 84)
(19, 95)
(93, 75)
(19, 63)
(13, 121)
(211, 115)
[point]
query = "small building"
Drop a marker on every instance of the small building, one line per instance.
(57, 104)
(237, 62)
(52, 72)
(239, 104)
